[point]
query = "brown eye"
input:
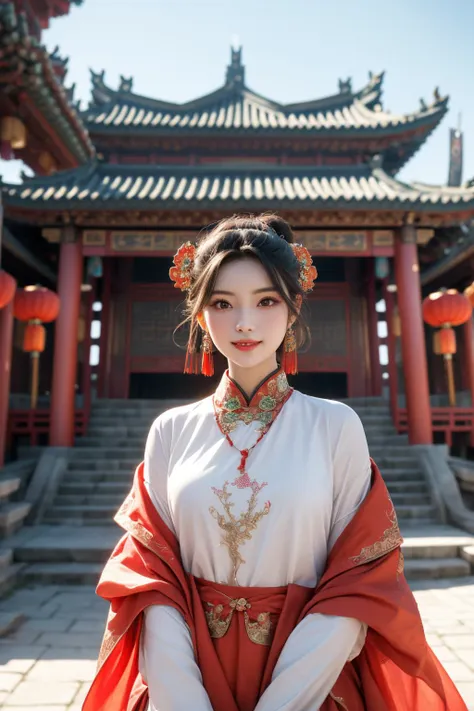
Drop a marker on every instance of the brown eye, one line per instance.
(269, 298)
(221, 301)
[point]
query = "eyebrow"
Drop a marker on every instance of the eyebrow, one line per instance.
(257, 291)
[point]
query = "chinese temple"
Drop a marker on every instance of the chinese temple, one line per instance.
(133, 177)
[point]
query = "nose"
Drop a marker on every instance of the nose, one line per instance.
(243, 326)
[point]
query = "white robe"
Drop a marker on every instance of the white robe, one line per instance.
(312, 471)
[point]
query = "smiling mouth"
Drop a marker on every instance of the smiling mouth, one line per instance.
(246, 345)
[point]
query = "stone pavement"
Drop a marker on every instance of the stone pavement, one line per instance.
(48, 663)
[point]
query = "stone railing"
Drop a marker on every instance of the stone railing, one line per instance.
(436, 464)
(464, 472)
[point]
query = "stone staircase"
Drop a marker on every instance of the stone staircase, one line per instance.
(100, 473)
(12, 516)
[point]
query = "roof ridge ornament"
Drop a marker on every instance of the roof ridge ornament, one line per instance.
(345, 86)
(126, 85)
(235, 71)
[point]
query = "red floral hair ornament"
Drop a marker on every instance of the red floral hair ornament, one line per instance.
(184, 263)
(308, 272)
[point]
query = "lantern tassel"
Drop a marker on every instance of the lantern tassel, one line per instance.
(448, 364)
(34, 380)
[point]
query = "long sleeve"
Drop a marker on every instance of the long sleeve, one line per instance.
(167, 663)
(166, 659)
(316, 651)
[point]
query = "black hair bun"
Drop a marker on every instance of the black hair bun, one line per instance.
(281, 227)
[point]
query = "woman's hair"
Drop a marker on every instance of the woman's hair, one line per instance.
(265, 237)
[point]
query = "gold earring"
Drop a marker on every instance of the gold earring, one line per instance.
(207, 363)
(289, 361)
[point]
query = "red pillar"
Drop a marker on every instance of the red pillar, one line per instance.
(468, 356)
(6, 341)
(65, 343)
(415, 367)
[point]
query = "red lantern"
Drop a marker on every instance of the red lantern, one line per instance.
(7, 288)
(444, 309)
(34, 339)
(36, 303)
(469, 293)
(447, 341)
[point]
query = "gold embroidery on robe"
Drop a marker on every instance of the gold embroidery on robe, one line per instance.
(259, 631)
(390, 540)
(232, 408)
(217, 626)
(401, 564)
(236, 531)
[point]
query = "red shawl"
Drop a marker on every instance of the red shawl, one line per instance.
(396, 670)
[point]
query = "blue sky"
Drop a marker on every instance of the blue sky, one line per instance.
(292, 49)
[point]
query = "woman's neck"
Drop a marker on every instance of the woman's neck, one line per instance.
(249, 379)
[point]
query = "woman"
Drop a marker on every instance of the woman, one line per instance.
(261, 565)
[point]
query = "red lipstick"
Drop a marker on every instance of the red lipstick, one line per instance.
(246, 345)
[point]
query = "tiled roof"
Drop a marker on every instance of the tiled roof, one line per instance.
(22, 56)
(235, 108)
(101, 185)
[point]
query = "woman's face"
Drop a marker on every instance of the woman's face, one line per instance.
(245, 306)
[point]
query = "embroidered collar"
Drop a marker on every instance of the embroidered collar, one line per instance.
(232, 406)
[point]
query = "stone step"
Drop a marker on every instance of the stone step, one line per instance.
(119, 403)
(61, 573)
(423, 512)
(120, 441)
(8, 485)
(144, 412)
(95, 514)
(407, 487)
(96, 463)
(10, 621)
(468, 555)
(393, 439)
(6, 557)
(95, 477)
(401, 473)
(12, 515)
(91, 453)
(9, 578)
(390, 461)
(435, 568)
